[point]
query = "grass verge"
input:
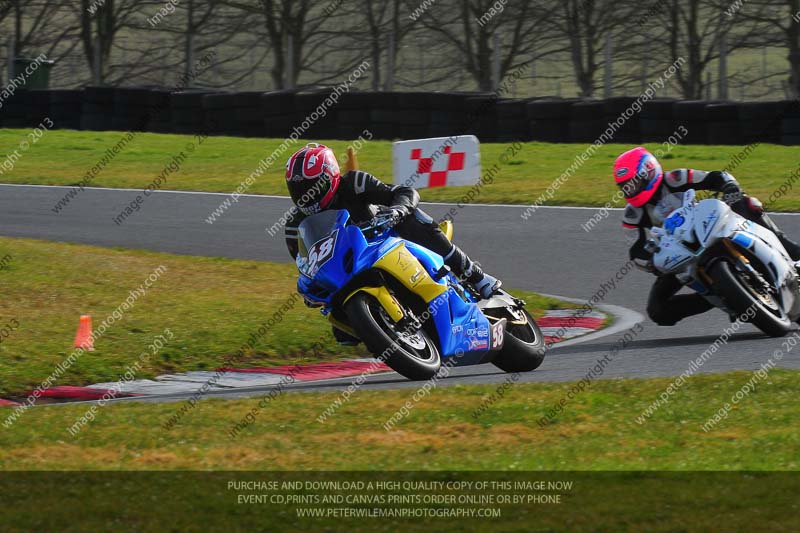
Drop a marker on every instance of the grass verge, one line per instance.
(211, 305)
(596, 431)
(221, 164)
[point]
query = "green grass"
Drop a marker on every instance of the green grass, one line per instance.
(596, 431)
(211, 306)
(221, 164)
(135, 471)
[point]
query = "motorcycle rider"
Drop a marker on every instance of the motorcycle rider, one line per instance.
(652, 195)
(315, 184)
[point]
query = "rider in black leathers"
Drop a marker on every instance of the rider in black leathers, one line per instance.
(315, 184)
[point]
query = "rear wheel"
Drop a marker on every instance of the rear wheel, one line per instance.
(742, 291)
(408, 351)
(523, 349)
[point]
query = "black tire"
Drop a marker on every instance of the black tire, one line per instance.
(523, 349)
(739, 297)
(376, 329)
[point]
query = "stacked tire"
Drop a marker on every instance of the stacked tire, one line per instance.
(656, 121)
(691, 115)
(236, 114)
(414, 114)
(586, 122)
(549, 119)
(761, 121)
(722, 123)
(448, 114)
(314, 117)
(277, 110)
(159, 110)
(404, 115)
(98, 109)
(512, 122)
(37, 107)
(15, 111)
(384, 115)
(481, 117)
(352, 115)
(790, 124)
(65, 109)
(619, 110)
(186, 111)
(131, 109)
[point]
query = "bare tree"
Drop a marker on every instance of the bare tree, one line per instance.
(298, 34)
(518, 32)
(587, 25)
(120, 42)
(99, 25)
(693, 30)
(30, 25)
(781, 21)
(201, 26)
(377, 29)
(33, 29)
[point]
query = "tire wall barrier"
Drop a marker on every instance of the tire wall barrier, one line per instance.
(309, 114)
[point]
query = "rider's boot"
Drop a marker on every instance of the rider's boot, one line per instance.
(471, 272)
(487, 285)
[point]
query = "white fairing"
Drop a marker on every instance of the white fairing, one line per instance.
(690, 230)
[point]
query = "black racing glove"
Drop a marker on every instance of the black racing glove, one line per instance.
(398, 213)
(728, 186)
(731, 193)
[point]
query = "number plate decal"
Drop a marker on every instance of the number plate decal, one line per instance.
(498, 334)
(320, 253)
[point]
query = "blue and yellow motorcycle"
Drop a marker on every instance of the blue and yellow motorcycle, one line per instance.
(403, 302)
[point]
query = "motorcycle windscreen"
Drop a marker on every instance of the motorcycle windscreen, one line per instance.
(315, 228)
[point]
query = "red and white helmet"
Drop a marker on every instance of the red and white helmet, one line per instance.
(312, 176)
(638, 174)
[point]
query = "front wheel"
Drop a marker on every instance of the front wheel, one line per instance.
(410, 353)
(742, 293)
(523, 349)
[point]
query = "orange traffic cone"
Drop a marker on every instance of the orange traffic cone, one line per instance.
(83, 338)
(352, 162)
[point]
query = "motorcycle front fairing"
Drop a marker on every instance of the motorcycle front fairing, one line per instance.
(321, 265)
(673, 255)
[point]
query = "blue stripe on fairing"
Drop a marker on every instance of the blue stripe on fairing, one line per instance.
(742, 240)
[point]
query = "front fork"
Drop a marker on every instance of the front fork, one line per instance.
(743, 263)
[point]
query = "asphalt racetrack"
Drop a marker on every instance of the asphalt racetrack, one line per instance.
(549, 253)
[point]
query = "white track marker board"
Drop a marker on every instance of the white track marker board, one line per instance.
(437, 162)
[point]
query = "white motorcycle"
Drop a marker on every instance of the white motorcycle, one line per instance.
(737, 265)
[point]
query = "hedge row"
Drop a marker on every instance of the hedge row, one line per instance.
(405, 115)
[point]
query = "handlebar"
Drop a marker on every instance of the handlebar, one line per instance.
(381, 221)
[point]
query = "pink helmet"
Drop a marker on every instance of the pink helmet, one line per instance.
(638, 174)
